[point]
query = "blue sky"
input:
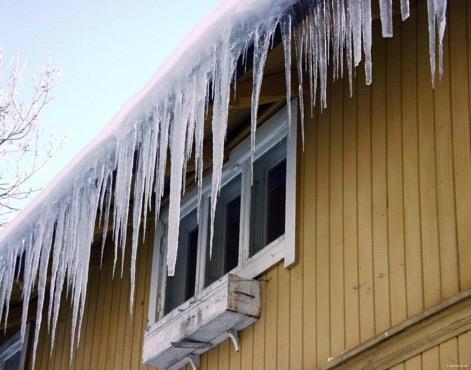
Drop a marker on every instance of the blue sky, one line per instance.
(107, 50)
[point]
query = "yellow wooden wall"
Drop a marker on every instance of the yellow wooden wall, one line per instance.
(384, 223)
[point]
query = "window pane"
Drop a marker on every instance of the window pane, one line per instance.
(268, 198)
(226, 233)
(181, 286)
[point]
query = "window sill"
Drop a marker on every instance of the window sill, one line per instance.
(196, 326)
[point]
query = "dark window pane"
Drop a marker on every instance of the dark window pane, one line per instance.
(181, 286)
(232, 234)
(268, 196)
(276, 202)
(226, 233)
(192, 257)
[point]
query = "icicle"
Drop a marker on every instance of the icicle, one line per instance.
(125, 153)
(286, 39)
(222, 76)
(139, 188)
(56, 253)
(299, 54)
(440, 14)
(177, 152)
(405, 12)
(262, 37)
(385, 8)
(323, 47)
(356, 22)
(106, 210)
(42, 279)
(162, 155)
(367, 39)
(199, 139)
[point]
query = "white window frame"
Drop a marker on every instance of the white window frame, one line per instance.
(283, 248)
(12, 346)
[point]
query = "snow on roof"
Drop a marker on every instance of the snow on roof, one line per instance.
(56, 230)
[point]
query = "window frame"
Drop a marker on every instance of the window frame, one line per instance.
(14, 345)
(283, 248)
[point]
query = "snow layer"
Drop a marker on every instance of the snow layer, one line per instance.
(128, 160)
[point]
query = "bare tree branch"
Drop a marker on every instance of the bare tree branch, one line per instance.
(26, 145)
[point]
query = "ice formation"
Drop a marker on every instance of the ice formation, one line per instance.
(120, 176)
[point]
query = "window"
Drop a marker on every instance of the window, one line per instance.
(13, 352)
(254, 222)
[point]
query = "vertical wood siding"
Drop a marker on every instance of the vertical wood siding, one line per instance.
(383, 224)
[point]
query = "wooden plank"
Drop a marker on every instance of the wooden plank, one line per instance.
(44, 345)
(382, 317)
(213, 359)
(427, 170)
(283, 317)
(350, 222)
(259, 329)
(445, 185)
(464, 344)
(410, 160)
(398, 367)
(224, 355)
(337, 301)
(235, 357)
(365, 247)
(123, 312)
(105, 322)
(461, 123)
(394, 179)
(309, 245)
(449, 353)
(204, 362)
(59, 345)
(104, 282)
(414, 363)
(114, 318)
(413, 336)
(66, 351)
(89, 322)
(247, 347)
(323, 239)
(296, 326)
(431, 359)
(140, 333)
(271, 312)
(143, 274)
